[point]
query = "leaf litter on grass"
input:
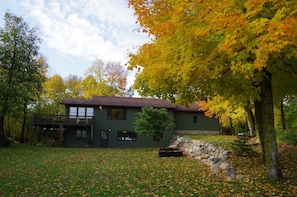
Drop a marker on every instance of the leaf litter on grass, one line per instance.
(132, 172)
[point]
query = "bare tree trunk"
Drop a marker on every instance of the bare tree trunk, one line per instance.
(265, 121)
(283, 115)
(250, 120)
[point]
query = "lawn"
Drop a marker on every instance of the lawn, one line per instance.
(50, 171)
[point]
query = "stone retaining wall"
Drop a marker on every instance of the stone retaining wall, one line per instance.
(214, 156)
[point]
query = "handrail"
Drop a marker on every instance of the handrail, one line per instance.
(49, 118)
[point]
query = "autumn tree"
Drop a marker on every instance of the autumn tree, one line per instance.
(90, 87)
(54, 92)
(20, 72)
(227, 48)
(104, 79)
(72, 86)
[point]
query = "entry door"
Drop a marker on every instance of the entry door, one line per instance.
(104, 138)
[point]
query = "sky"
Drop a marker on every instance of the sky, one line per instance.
(77, 32)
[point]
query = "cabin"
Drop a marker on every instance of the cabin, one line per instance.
(106, 121)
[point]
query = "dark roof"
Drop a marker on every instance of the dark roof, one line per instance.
(128, 102)
(77, 101)
(193, 107)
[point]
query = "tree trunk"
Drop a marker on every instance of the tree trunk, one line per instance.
(250, 120)
(259, 122)
(3, 141)
(283, 115)
(33, 136)
(265, 121)
(231, 125)
(22, 136)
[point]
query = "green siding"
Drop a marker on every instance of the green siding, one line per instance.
(70, 139)
(102, 123)
(184, 121)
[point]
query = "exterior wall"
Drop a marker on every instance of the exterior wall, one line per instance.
(102, 123)
(185, 125)
(70, 139)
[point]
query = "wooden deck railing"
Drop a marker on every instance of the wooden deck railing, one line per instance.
(47, 119)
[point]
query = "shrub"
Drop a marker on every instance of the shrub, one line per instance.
(289, 137)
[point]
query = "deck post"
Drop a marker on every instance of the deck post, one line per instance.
(61, 134)
(92, 134)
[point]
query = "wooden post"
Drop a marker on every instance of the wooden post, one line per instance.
(61, 137)
(92, 136)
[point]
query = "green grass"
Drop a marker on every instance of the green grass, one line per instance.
(219, 140)
(50, 171)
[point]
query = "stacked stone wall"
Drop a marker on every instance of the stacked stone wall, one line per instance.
(214, 156)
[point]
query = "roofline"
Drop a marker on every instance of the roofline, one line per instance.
(132, 102)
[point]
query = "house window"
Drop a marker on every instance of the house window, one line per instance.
(81, 134)
(194, 119)
(127, 136)
(116, 114)
(89, 112)
(81, 112)
(73, 112)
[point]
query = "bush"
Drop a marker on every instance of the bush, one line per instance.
(289, 137)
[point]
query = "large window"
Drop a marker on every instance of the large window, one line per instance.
(116, 114)
(81, 112)
(73, 112)
(127, 136)
(89, 112)
(81, 134)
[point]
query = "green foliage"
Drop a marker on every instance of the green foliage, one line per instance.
(290, 108)
(21, 72)
(153, 122)
(241, 128)
(288, 136)
(42, 171)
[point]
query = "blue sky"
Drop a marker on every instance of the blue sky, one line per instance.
(77, 32)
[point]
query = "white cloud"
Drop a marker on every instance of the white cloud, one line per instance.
(76, 32)
(87, 29)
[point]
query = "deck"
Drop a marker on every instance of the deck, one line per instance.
(58, 120)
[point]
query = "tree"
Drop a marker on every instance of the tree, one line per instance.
(104, 79)
(72, 86)
(291, 109)
(54, 92)
(153, 122)
(20, 73)
(209, 48)
(39, 78)
(90, 87)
